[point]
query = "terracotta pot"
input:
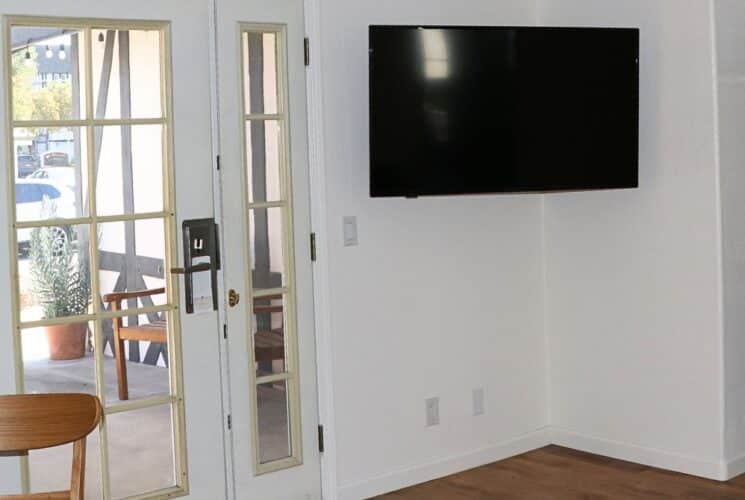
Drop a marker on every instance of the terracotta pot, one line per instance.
(66, 341)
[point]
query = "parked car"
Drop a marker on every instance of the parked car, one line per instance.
(27, 165)
(61, 175)
(55, 159)
(35, 198)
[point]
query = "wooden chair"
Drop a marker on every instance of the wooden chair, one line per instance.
(38, 421)
(153, 332)
(269, 345)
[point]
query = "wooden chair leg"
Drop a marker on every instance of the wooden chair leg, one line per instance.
(121, 362)
(77, 490)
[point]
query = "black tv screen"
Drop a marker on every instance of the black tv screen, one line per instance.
(457, 110)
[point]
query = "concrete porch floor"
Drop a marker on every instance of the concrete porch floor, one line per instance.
(140, 442)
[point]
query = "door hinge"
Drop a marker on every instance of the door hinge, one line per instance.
(320, 439)
(313, 252)
(225, 331)
(230, 422)
(217, 162)
(306, 47)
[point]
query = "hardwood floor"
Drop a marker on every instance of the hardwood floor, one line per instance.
(555, 473)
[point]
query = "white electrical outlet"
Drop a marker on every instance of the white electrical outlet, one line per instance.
(478, 402)
(432, 408)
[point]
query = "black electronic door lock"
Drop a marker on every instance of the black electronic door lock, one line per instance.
(201, 254)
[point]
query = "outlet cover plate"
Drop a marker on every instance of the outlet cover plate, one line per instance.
(432, 408)
(478, 402)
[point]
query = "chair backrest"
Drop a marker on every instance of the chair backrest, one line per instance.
(36, 421)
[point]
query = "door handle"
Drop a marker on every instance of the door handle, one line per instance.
(193, 269)
(233, 298)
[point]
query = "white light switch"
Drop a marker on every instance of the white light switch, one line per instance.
(350, 231)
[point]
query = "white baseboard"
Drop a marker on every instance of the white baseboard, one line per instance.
(427, 472)
(718, 471)
(641, 455)
(736, 467)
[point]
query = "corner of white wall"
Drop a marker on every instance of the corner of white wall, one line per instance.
(719, 228)
(546, 324)
(716, 470)
(712, 466)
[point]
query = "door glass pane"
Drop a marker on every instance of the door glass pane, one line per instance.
(50, 468)
(59, 359)
(136, 368)
(269, 335)
(260, 73)
(51, 165)
(266, 248)
(263, 150)
(53, 272)
(47, 68)
(141, 451)
(267, 172)
(51, 173)
(136, 357)
(126, 73)
(274, 422)
(131, 258)
(130, 169)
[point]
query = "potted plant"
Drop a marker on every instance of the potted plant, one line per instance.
(61, 286)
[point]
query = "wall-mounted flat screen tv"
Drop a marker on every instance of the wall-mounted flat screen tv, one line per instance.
(467, 110)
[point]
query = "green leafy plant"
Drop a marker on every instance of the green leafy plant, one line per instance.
(60, 273)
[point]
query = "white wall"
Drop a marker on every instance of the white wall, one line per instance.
(441, 296)
(633, 283)
(730, 29)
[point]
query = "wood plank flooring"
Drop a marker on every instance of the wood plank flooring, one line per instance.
(555, 473)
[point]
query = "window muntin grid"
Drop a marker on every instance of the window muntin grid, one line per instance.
(89, 121)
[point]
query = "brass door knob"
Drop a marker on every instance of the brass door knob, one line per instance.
(233, 298)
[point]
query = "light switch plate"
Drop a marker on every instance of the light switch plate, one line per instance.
(349, 224)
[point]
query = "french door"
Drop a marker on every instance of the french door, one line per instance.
(107, 148)
(109, 143)
(266, 215)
